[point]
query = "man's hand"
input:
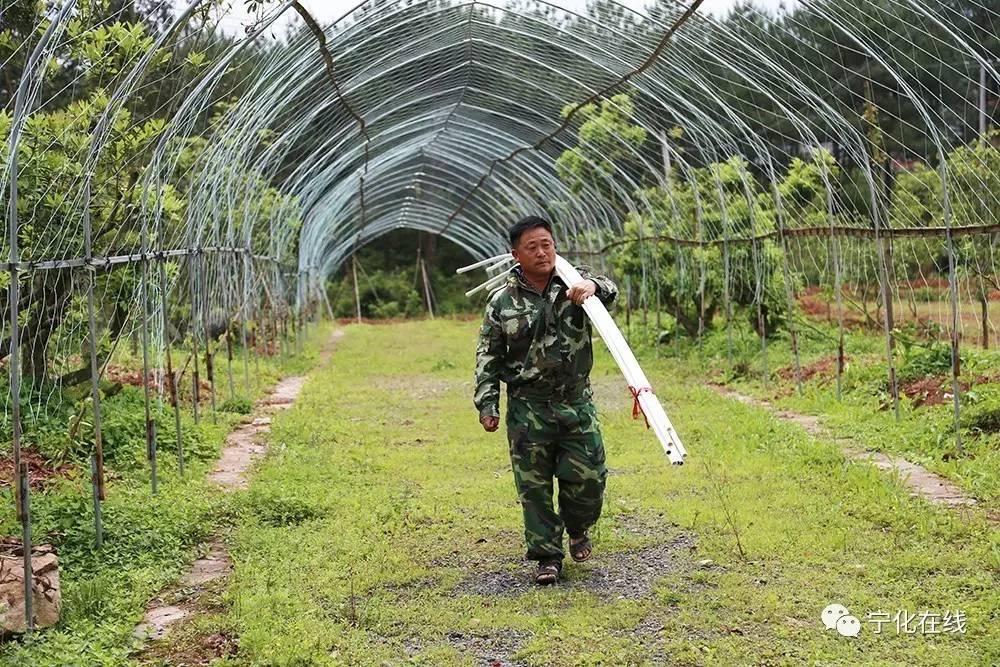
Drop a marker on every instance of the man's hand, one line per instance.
(582, 291)
(490, 423)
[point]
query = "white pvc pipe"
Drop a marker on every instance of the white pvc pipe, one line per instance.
(495, 281)
(483, 262)
(502, 264)
(622, 353)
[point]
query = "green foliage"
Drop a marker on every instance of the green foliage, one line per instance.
(923, 361)
(982, 414)
(390, 284)
(277, 507)
(103, 43)
(711, 204)
(147, 538)
(803, 190)
(239, 404)
(606, 150)
(382, 293)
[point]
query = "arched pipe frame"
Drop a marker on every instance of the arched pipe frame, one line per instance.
(459, 88)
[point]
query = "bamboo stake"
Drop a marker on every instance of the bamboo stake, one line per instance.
(244, 316)
(195, 351)
(144, 326)
(427, 288)
(172, 382)
(357, 294)
(95, 389)
(956, 369)
(209, 353)
(837, 281)
(789, 289)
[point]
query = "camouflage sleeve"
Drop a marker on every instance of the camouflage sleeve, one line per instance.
(607, 291)
(489, 359)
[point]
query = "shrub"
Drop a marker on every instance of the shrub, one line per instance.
(238, 404)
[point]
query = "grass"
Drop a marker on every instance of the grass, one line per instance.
(147, 539)
(379, 524)
(924, 434)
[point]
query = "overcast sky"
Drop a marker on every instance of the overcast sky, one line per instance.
(325, 10)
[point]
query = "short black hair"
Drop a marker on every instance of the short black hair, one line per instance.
(524, 224)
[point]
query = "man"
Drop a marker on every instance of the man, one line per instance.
(536, 338)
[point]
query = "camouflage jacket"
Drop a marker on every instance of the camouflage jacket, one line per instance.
(537, 343)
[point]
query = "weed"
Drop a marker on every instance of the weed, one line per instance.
(238, 404)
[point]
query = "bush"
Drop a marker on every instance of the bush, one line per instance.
(982, 414)
(239, 404)
(278, 508)
(922, 361)
(927, 294)
(382, 293)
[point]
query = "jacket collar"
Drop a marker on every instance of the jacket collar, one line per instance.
(517, 278)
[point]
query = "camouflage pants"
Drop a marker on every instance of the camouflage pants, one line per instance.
(552, 440)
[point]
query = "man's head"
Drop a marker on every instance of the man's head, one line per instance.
(532, 245)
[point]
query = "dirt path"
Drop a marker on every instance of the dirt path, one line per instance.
(244, 447)
(922, 482)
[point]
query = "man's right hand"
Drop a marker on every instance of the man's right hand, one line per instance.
(490, 423)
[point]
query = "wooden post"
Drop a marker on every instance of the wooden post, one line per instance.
(23, 489)
(837, 282)
(95, 390)
(209, 353)
(628, 308)
(789, 289)
(244, 317)
(195, 348)
(956, 370)
(173, 390)
(888, 321)
(150, 422)
(357, 293)
(427, 288)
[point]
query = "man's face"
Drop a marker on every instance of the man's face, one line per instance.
(536, 251)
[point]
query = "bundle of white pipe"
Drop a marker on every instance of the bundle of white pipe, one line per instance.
(493, 281)
(622, 353)
(637, 382)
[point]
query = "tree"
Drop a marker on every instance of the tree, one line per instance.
(606, 152)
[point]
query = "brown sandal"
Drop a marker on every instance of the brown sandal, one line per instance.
(548, 572)
(581, 550)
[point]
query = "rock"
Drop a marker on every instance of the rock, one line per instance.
(46, 594)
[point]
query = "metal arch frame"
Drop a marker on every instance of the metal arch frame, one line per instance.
(326, 188)
(438, 134)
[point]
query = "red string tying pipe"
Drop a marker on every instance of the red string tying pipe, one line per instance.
(636, 407)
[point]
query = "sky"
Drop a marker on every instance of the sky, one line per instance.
(326, 10)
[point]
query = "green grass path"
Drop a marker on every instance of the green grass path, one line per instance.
(383, 528)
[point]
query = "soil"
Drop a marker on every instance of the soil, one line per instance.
(40, 470)
(624, 575)
(133, 378)
(824, 368)
(487, 649)
(937, 389)
(930, 390)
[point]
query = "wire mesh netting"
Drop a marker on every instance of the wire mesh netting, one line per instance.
(182, 177)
